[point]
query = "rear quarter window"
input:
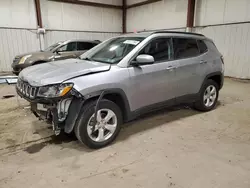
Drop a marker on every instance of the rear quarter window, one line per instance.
(202, 46)
(185, 48)
(211, 46)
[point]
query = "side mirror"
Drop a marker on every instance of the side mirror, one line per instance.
(58, 52)
(144, 59)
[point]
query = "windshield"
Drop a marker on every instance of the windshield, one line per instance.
(115, 50)
(50, 48)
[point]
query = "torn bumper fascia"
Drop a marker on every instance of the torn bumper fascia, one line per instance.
(56, 112)
(61, 112)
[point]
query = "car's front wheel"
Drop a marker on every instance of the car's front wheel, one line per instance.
(99, 133)
(208, 96)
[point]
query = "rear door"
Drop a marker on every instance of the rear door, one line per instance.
(190, 65)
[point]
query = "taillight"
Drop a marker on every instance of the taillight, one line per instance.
(222, 59)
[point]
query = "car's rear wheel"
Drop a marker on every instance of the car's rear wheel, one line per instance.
(208, 96)
(97, 134)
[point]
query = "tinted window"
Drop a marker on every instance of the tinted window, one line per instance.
(159, 48)
(85, 45)
(68, 47)
(184, 48)
(202, 46)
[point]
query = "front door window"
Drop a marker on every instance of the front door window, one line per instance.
(68, 47)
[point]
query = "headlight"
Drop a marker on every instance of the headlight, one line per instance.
(55, 90)
(23, 59)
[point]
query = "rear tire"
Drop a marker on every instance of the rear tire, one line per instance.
(208, 96)
(84, 126)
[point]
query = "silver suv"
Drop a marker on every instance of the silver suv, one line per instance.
(121, 79)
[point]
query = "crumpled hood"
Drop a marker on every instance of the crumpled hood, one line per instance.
(59, 71)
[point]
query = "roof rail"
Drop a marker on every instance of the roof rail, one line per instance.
(178, 32)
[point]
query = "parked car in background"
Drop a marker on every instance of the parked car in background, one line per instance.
(121, 79)
(58, 51)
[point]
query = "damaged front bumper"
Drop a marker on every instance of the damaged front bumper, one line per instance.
(54, 113)
(61, 112)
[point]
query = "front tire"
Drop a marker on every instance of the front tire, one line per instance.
(208, 96)
(105, 130)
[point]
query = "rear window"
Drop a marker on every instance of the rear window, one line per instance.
(185, 48)
(202, 46)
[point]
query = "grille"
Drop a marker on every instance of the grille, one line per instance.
(26, 89)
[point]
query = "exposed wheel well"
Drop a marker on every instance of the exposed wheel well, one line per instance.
(217, 79)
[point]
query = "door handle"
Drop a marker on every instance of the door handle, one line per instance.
(202, 62)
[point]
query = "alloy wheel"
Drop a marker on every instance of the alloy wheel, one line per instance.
(104, 127)
(210, 95)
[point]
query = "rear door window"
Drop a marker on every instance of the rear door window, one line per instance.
(202, 46)
(85, 46)
(68, 47)
(185, 48)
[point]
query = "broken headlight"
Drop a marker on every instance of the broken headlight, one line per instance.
(55, 90)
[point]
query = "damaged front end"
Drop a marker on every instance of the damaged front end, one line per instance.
(57, 104)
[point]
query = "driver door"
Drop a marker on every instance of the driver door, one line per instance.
(154, 85)
(66, 51)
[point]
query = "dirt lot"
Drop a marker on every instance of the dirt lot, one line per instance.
(178, 148)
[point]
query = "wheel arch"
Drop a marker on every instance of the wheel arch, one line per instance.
(115, 95)
(217, 77)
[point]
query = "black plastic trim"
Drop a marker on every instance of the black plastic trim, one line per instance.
(151, 108)
(218, 73)
(113, 91)
(179, 32)
(78, 103)
(73, 114)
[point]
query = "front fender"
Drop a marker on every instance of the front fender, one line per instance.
(78, 103)
(73, 114)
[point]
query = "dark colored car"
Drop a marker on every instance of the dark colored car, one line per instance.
(59, 51)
